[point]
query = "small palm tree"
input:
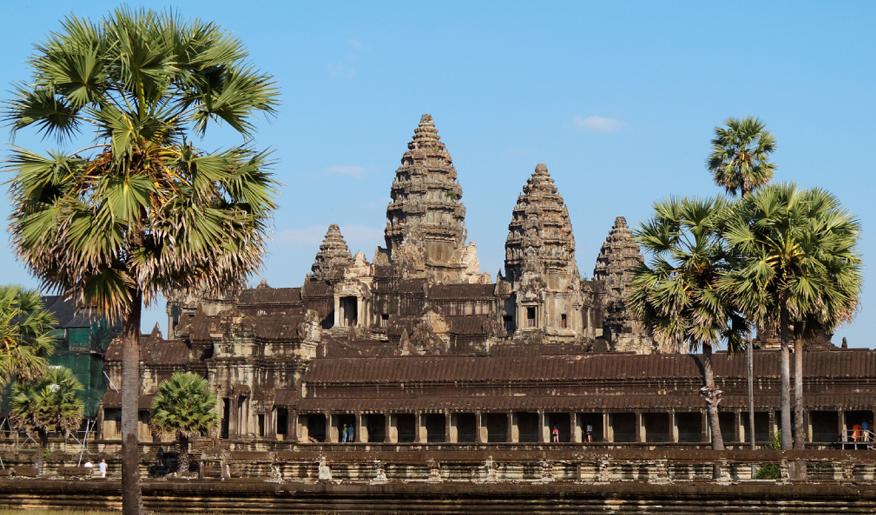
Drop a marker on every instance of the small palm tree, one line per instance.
(799, 271)
(740, 155)
(675, 292)
(48, 405)
(143, 211)
(184, 407)
(26, 338)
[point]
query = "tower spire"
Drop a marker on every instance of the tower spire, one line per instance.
(333, 255)
(426, 216)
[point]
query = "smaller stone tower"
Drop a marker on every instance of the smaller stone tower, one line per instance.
(540, 262)
(333, 256)
(618, 259)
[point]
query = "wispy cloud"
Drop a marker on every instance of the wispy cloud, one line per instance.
(596, 123)
(358, 237)
(354, 171)
(347, 67)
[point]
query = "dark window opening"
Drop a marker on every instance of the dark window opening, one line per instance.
(384, 319)
(406, 425)
(509, 323)
(466, 427)
(282, 421)
(226, 415)
(530, 316)
(435, 428)
(349, 311)
(564, 322)
(527, 427)
(261, 422)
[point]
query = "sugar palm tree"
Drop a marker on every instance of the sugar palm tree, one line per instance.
(184, 407)
(675, 291)
(740, 163)
(25, 335)
(799, 271)
(47, 405)
(142, 211)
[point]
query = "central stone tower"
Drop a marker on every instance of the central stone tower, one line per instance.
(425, 221)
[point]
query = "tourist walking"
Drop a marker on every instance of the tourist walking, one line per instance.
(344, 434)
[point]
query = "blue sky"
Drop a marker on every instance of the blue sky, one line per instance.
(619, 99)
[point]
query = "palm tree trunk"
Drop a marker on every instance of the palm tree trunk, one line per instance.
(786, 394)
(713, 398)
(183, 452)
(799, 428)
(131, 502)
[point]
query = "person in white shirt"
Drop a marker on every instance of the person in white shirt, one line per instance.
(102, 467)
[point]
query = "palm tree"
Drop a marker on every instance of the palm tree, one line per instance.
(676, 294)
(739, 162)
(142, 211)
(799, 272)
(47, 405)
(185, 407)
(740, 155)
(26, 338)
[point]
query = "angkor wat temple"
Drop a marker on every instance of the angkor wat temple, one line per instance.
(418, 345)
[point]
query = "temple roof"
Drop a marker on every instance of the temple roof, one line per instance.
(333, 255)
(540, 232)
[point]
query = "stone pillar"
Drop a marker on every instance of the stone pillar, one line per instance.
(234, 414)
(576, 434)
(544, 432)
(480, 428)
(422, 434)
(841, 418)
(707, 428)
(773, 427)
(270, 428)
(509, 437)
(337, 322)
(513, 428)
(292, 426)
(361, 435)
(303, 431)
(331, 428)
(387, 429)
(392, 427)
(740, 426)
(641, 433)
(607, 429)
(450, 430)
(673, 426)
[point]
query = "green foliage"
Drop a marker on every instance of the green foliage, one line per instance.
(25, 335)
(48, 405)
(676, 292)
(143, 211)
(184, 406)
(771, 470)
(799, 268)
(740, 155)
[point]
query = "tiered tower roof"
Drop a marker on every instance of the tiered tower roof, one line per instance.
(333, 255)
(425, 194)
(540, 232)
(618, 259)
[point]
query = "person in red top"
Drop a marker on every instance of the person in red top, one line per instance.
(555, 434)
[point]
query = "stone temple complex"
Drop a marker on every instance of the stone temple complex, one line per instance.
(416, 345)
